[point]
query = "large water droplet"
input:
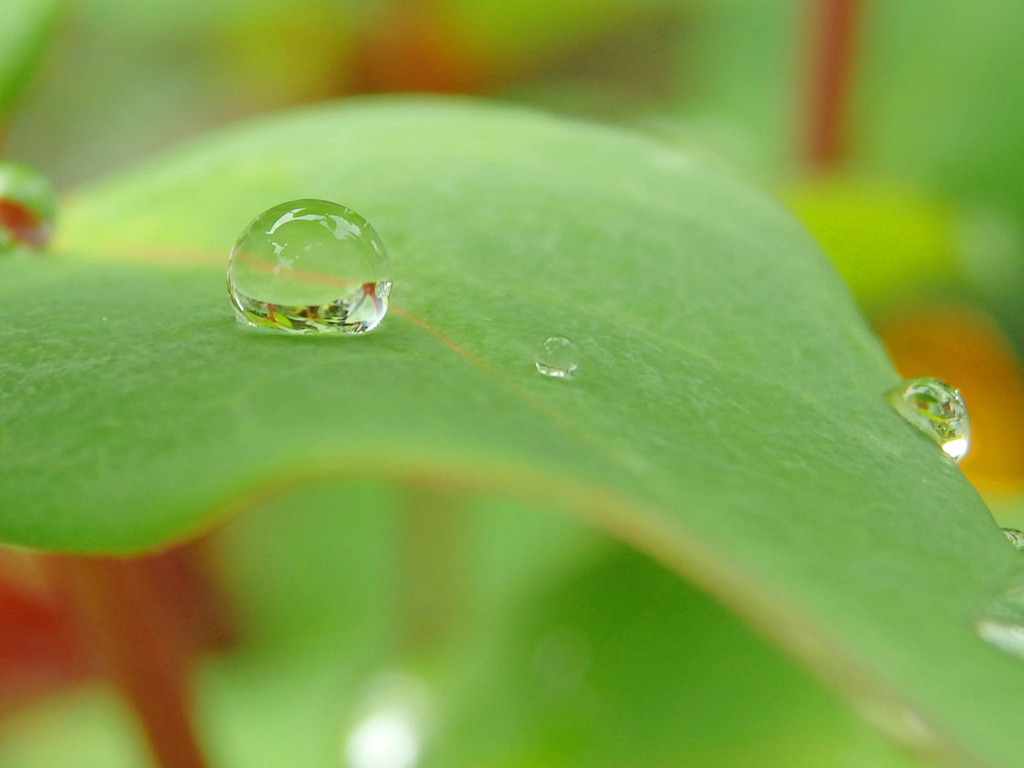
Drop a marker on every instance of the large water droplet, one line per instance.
(1000, 622)
(1016, 538)
(936, 409)
(28, 207)
(309, 266)
(557, 357)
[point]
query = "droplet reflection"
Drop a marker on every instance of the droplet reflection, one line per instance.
(384, 740)
(392, 724)
(1000, 622)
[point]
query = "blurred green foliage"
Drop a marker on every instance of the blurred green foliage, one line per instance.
(572, 650)
(24, 29)
(940, 99)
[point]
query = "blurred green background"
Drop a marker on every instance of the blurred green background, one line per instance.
(544, 656)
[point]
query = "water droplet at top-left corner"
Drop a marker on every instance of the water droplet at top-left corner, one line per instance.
(309, 267)
(28, 208)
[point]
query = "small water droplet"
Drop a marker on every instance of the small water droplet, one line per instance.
(1000, 622)
(28, 207)
(1016, 538)
(557, 357)
(938, 410)
(309, 267)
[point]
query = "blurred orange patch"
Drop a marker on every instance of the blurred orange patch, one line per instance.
(965, 349)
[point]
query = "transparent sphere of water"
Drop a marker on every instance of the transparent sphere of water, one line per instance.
(309, 267)
(557, 357)
(938, 410)
(28, 207)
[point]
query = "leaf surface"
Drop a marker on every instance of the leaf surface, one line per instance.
(727, 415)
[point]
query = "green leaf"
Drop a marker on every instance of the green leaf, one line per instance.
(25, 28)
(727, 415)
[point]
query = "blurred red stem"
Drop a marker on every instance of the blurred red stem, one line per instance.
(832, 79)
(139, 641)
